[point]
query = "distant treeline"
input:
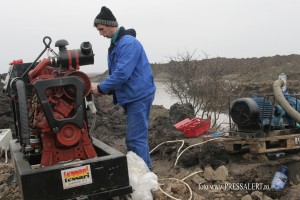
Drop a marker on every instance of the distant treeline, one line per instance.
(247, 69)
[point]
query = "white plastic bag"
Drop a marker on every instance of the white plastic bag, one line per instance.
(142, 180)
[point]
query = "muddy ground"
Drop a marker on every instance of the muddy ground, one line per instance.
(197, 166)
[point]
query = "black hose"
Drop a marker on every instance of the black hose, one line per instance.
(23, 108)
(47, 45)
(14, 111)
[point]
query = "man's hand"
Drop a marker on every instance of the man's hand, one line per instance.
(94, 89)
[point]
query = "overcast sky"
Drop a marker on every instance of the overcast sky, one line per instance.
(224, 28)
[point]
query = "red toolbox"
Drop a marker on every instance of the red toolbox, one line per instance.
(193, 127)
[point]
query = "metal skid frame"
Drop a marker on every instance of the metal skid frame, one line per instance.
(108, 176)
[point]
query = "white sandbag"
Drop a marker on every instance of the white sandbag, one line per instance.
(142, 180)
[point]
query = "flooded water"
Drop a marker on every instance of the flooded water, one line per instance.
(162, 97)
(166, 100)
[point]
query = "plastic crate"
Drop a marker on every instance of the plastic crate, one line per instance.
(193, 127)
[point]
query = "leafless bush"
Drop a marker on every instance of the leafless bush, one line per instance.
(199, 83)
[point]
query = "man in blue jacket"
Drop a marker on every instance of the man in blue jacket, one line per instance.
(130, 81)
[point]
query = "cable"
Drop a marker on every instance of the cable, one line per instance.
(177, 158)
(167, 194)
(6, 157)
(182, 141)
(93, 109)
(193, 146)
(192, 174)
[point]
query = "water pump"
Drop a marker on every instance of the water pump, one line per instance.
(262, 116)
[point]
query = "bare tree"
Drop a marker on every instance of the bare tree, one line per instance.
(216, 98)
(199, 83)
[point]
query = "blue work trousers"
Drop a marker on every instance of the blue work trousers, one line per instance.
(137, 114)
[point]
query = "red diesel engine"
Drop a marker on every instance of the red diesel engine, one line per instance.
(48, 98)
(53, 150)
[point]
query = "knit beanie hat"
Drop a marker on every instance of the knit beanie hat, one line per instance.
(106, 18)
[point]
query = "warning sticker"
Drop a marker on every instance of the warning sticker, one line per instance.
(76, 176)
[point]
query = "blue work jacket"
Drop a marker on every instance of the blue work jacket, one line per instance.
(131, 77)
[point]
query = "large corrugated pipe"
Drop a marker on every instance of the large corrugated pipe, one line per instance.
(23, 109)
(294, 114)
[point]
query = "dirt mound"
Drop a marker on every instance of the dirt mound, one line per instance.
(212, 154)
(208, 154)
(248, 75)
(110, 127)
(8, 187)
(6, 116)
(179, 112)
